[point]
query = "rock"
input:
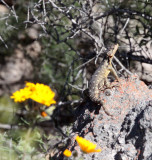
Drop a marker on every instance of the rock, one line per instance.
(33, 49)
(125, 136)
(14, 71)
(32, 33)
(140, 62)
(3, 10)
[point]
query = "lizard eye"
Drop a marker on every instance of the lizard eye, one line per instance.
(109, 55)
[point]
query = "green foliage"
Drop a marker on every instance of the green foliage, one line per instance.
(57, 60)
(18, 143)
(25, 146)
(7, 110)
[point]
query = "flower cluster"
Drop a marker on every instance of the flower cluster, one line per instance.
(38, 92)
(85, 145)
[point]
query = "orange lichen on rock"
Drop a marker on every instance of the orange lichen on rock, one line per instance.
(130, 92)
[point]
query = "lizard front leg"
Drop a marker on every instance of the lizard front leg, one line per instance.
(112, 70)
(101, 84)
(104, 84)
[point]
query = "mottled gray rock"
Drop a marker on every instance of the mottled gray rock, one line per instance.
(125, 136)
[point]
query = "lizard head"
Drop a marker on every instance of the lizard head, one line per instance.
(112, 52)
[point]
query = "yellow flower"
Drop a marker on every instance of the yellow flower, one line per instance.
(43, 94)
(38, 92)
(86, 146)
(67, 153)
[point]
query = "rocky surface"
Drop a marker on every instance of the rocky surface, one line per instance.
(125, 136)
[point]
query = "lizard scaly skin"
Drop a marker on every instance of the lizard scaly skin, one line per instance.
(99, 78)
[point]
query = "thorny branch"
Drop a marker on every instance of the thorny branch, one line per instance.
(88, 20)
(76, 23)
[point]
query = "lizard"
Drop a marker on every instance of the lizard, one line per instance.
(99, 80)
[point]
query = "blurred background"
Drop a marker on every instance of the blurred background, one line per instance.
(60, 44)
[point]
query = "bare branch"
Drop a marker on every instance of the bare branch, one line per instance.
(3, 42)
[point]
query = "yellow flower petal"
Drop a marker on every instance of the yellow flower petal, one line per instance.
(21, 95)
(67, 153)
(43, 94)
(87, 146)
